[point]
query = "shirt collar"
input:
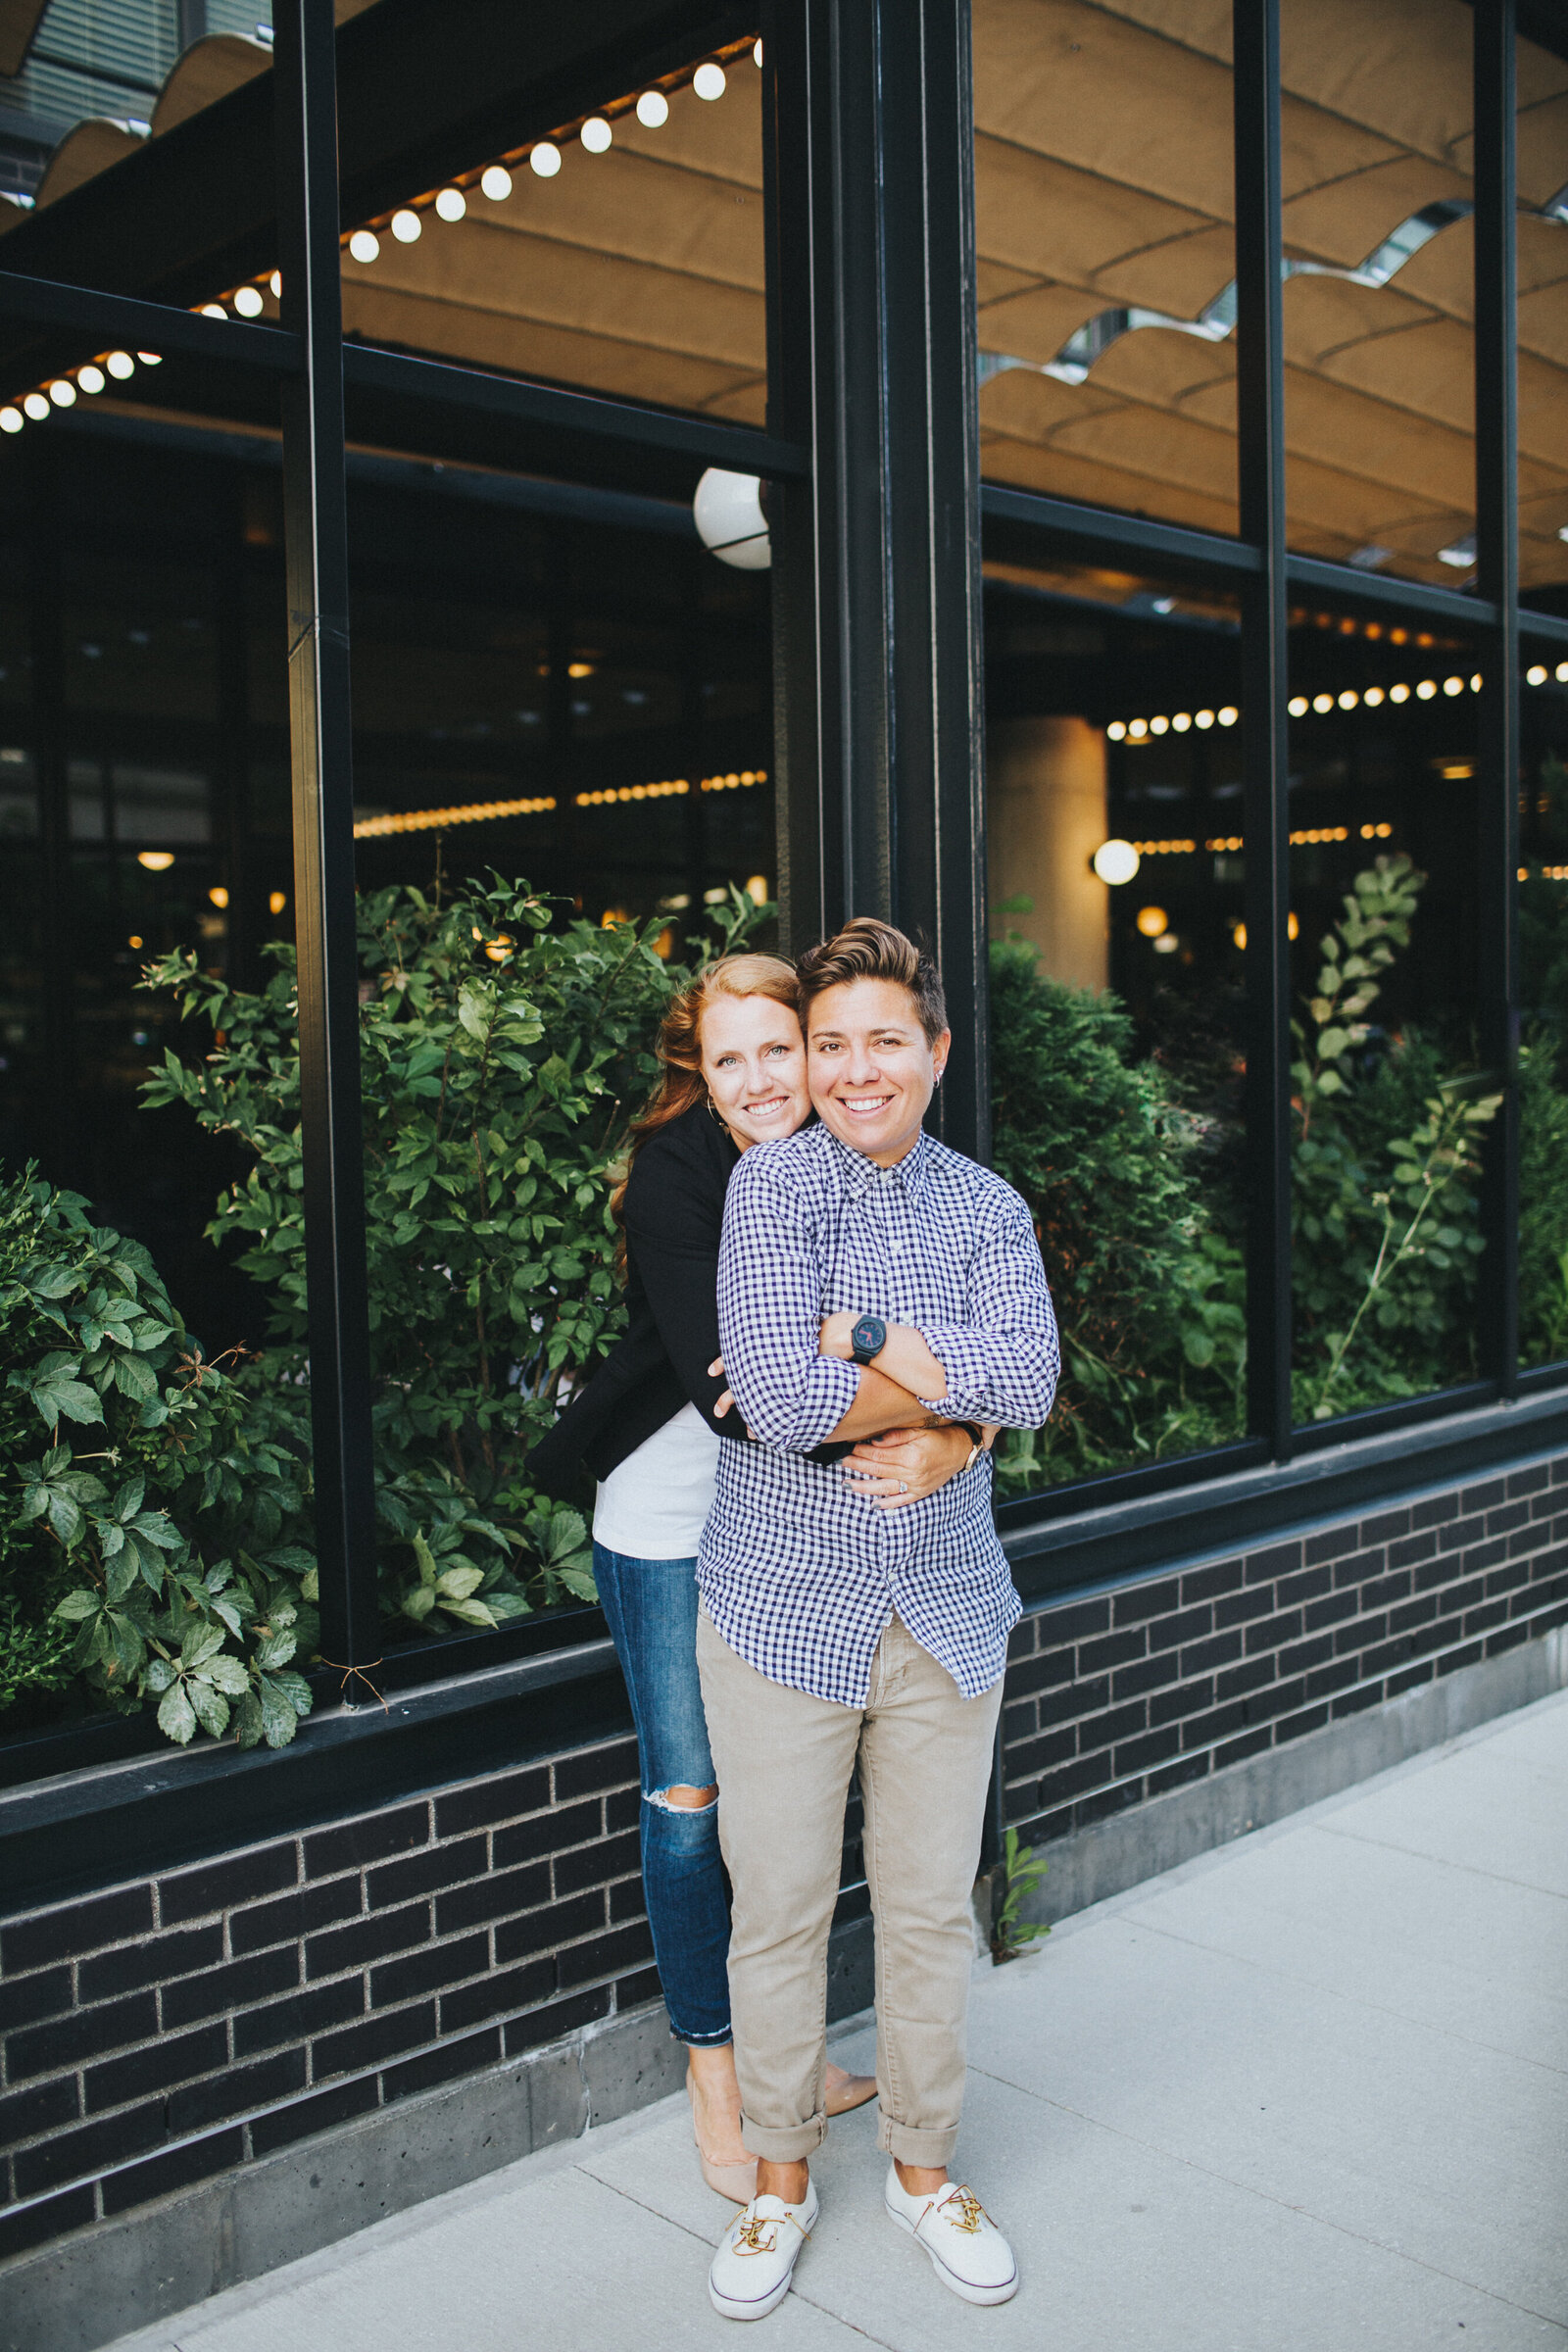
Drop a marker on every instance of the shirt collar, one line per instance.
(861, 1175)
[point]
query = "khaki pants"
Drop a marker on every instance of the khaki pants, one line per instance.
(783, 1761)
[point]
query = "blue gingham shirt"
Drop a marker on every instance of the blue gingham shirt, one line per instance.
(799, 1574)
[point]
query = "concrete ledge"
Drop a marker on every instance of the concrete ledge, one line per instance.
(120, 2275)
(1112, 1855)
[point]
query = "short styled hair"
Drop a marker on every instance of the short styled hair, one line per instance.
(868, 949)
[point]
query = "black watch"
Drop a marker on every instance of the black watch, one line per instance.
(868, 1339)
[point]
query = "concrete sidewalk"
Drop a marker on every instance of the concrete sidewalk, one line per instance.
(1308, 2092)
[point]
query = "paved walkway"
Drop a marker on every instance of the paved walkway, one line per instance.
(1306, 2096)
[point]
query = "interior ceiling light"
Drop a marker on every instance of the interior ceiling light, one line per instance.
(544, 158)
(424, 821)
(11, 420)
(248, 301)
(653, 110)
(1216, 320)
(149, 358)
(1151, 921)
(730, 518)
(277, 900)
(364, 245)
(756, 53)
(495, 181)
(596, 134)
(1461, 555)
(120, 365)
(450, 204)
(407, 227)
(276, 281)
(90, 378)
(218, 896)
(36, 406)
(1115, 862)
(1536, 676)
(709, 80)
(62, 392)
(213, 310)
(157, 861)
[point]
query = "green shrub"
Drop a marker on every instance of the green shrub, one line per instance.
(501, 1058)
(148, 1512)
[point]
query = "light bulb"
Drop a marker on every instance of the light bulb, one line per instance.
(90, 378)
(1372, 697)
(1475, 683)
(364, 245)
(1159, 726)
(119, 363)
(62, 392)
(1229, 716)
(407, 227)
(1426, 690)
(157, 861)
(1298, 706)
(545, 158)
(277, 900)
(1349, 700)
(756, 53)
(1116, 730)
(496, 183)
(653, 110)
(596, 134)
(36, 406)
(709, 80)
(219, 895)
(1203, 718)
(1152, 920)
(1138, 728)
(11, 420)
(276, 281)
(1536, 676)
(248, 301)
(1181, 721)
(1453, 685)
(214, 310)
(452, 204)
(150, 358)
(1115, 862)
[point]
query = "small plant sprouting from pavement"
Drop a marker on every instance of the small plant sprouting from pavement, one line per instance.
(1018, 1875)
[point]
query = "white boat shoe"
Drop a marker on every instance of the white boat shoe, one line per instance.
(967, 2250)
(756, 2258)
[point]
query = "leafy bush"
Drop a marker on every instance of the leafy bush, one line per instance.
(501, 1058)
(1147, 1292)
(150, 1511)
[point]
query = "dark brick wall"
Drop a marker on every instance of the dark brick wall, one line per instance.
(149, 2031)
(160, 2033)
(1116, 1698)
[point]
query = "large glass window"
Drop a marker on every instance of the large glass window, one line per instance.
(1106, 269)
(1113, 783)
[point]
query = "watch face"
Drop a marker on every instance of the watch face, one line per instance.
(868, 1338)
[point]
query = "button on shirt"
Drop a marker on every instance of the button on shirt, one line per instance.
(799, 1573)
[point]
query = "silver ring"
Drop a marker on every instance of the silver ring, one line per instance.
(904, 1486)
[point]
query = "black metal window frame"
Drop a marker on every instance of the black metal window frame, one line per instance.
(877, 512)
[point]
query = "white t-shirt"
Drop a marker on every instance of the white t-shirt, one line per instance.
(653, 1504)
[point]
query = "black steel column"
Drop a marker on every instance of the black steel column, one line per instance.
(880, 711)
(1497, 715)
(1260, 415)
(316, 548)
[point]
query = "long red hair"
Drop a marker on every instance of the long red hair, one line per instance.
(679, 1048)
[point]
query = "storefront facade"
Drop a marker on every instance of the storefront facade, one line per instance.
(1159, 412)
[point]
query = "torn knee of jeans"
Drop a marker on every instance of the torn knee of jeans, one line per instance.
(683, 1798)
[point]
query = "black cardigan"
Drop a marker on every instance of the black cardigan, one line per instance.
(675, 1216)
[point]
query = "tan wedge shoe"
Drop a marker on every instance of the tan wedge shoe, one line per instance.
(843, 2092)
(737, 2181)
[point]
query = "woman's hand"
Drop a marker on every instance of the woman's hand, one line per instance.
(906, 1465)
(723, 1402)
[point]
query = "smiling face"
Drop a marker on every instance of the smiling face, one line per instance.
(873, 1069)
(754, 1060)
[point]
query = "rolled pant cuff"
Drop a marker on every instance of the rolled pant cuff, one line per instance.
(790, 2143)
(912, 2146)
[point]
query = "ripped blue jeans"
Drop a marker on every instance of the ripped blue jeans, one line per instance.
(652, 1608)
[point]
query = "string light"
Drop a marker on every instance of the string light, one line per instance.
(407, 227)
(213, 310)
(36, 406)
(218, 896)
(495, 181)
(90, 378)
(424, 821)
(596, 134)
(277, 900)
(120, 365)
(709, 80)
(452, 203)
(653, 110)
(248, 301)
(62, 392)
(1164, 849)
(364, 245)
(157, 861)
(12, 421)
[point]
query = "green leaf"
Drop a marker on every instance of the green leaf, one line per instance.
(279, 1719)
(470, 1612)
(417, 1602)
(177, 1718)
(427, 1561)
(458, 1583)
(210, 1705)
(77, 1608)
(135, 1379)
(229, 1674)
